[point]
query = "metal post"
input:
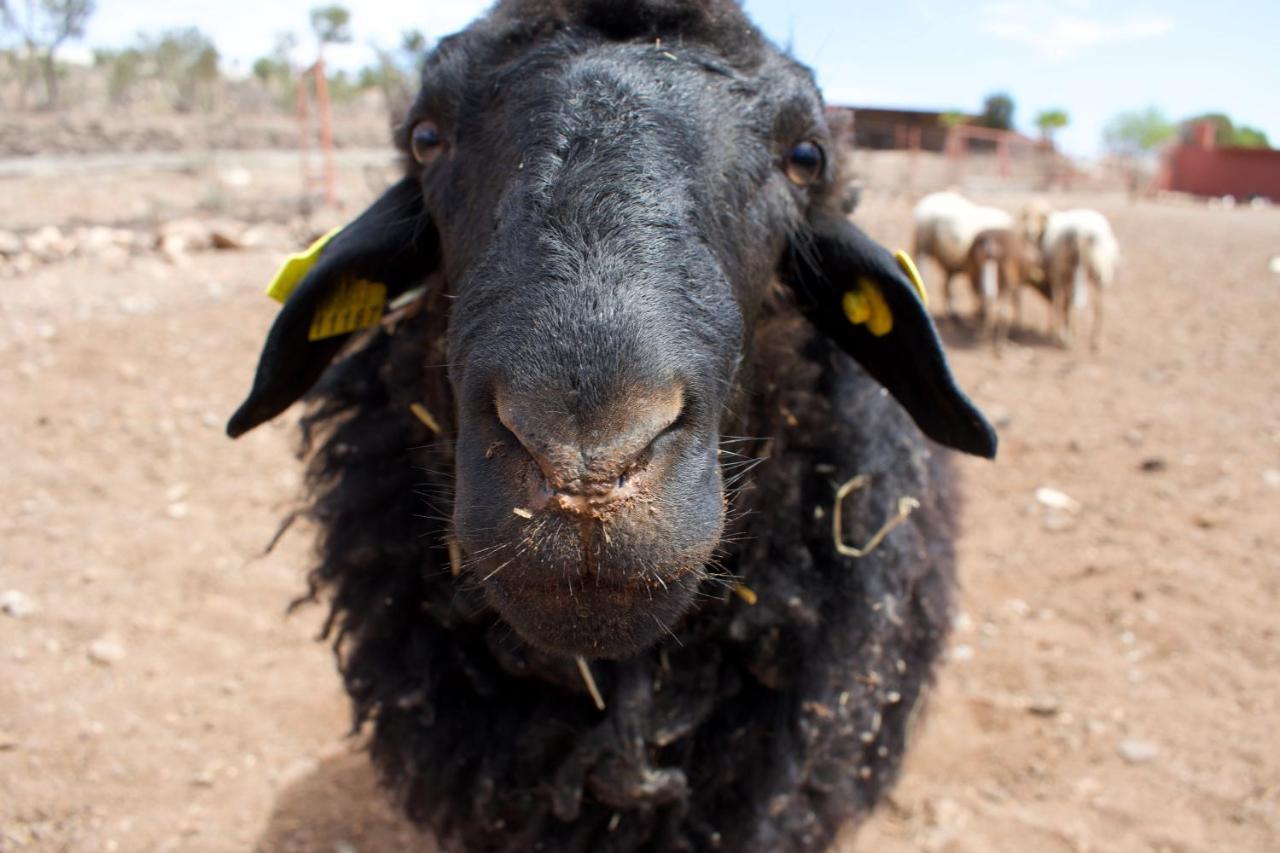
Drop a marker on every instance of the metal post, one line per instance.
(326, 134)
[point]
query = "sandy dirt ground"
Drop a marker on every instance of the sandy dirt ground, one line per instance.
(1114, 675)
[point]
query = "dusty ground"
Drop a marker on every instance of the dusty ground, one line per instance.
(158, 698)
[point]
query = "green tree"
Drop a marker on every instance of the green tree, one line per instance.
(187, 62)
(43, 29)
(1137, 132)
(1049, 121)
(1228, 133)
(413, 43)
(124, 70)
(331, 24)
(275, 71)
(1250, 137)
(396, 71)
(997, 112)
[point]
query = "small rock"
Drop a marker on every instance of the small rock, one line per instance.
(266, 236)
(106, 651)
(183, 235)
(1136, 751)
(1058, 520)
(1001, 418)
(96, 240)
(297, 771)
(236, 177)
(1154, 464)
(178, 510)
(18, 604)
(8, 741)
(1055, 499)
(1271, 477)
(10, 244)
(1274, 266)
(50, 244)
(947, 814)
(1044, 705)
(139, 304)
(961, 653)
(226, 234)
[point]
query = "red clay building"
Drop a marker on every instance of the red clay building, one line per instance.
(1198, 166)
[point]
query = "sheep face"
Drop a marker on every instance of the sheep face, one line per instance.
(606, 251)
(609, 215)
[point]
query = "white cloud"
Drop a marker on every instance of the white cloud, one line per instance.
(1063, 29)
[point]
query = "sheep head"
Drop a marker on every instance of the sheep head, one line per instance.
(612, 203)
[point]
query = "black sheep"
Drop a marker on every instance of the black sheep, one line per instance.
(620, 281)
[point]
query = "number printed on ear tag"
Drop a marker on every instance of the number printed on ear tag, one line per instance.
(356, 303)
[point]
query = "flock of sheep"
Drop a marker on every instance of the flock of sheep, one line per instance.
(1069, 257)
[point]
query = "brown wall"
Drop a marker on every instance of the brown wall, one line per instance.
(1240, 172)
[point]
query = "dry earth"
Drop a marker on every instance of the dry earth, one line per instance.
(1113, 682)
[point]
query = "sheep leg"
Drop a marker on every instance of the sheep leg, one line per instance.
(948, 296)
(989, 289)
(1095, 334)
(1015, 296)
(1007, 292)
(1060, 312)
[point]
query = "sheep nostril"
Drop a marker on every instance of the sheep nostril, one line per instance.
(600, 451)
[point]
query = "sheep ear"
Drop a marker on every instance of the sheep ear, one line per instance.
(872, 304)
(338, 286)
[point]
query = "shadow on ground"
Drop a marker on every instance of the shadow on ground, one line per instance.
(966, 333)
(339, 806)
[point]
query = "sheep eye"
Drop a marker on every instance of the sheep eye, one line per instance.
(804, 164)
(426, 142)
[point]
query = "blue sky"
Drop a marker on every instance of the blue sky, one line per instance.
(1092, 58)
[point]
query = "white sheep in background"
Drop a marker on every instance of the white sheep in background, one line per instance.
(1080, 254)
(946, 223)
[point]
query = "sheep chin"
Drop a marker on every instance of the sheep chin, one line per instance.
(596, 619)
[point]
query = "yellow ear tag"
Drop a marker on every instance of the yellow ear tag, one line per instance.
(867, 305)
(295, 267)
(355, 303)
(909, 267)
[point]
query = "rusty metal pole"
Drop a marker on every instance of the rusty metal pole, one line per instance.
(326, 135)
(304, 132)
